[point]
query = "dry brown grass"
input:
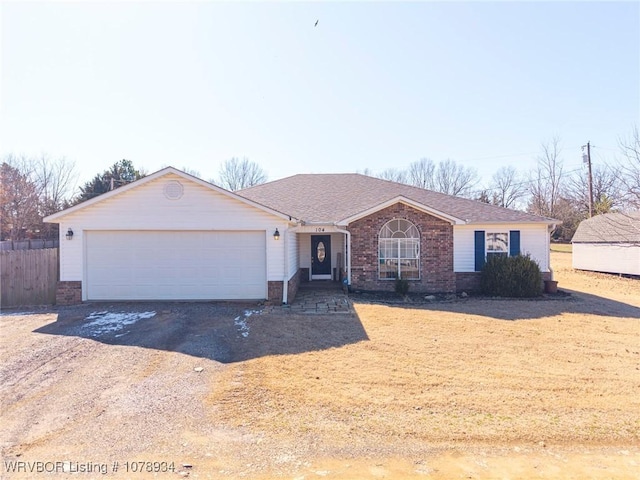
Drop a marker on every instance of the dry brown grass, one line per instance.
(564, 371)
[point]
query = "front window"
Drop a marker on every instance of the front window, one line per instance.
(399, 251)
(497, 244)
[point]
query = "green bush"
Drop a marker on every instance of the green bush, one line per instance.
(518, 276)
(402, 286)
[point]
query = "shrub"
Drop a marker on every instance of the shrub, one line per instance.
(518, 276)
(402, 286)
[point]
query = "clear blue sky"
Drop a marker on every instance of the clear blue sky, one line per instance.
(373, 85)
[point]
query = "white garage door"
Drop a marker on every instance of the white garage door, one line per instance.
(163, 265)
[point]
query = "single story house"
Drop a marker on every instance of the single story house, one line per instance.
(172, 236)
(608, 243)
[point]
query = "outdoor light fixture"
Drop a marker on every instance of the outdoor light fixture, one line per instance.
(69, 234)
(276, 235)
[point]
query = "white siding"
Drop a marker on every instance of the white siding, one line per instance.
(534, 240)
(147, 208)
(294, 254)
(608, 258)
(304, 251)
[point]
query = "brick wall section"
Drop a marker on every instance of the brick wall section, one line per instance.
(69, 293)
(294, 283)
(470, 281)
(275, 289)
(304, 272)
(274, 293)
(436, 251)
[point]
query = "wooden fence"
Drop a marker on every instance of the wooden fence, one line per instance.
(28, 244)
(28, 277)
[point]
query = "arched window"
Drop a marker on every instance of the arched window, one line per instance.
(399, 250)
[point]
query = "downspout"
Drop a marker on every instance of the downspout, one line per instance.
(550, 229)
(348, 233)
(285, 280)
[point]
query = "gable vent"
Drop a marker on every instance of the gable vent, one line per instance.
(173, 190)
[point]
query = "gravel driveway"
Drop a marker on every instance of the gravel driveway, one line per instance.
(98, 383)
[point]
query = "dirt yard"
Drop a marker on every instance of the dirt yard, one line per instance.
(470, 388)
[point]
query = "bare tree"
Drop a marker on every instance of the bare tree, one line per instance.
(56, 180)
(447, 176)
(630, 168)
(18, 203)
(455, 179)
(508, 187)
(547, 181)
(422, 174)
(607, 194)
(192, 172)
(394, 175)
(236, 174)
(34, 187)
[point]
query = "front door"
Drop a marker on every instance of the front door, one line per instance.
(321, 257)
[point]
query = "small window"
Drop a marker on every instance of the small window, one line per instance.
(497, 244)
(320, 254)
(399, 251)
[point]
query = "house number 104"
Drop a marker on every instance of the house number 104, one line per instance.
(320, 229)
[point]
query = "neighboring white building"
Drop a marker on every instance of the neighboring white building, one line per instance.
(608, 243)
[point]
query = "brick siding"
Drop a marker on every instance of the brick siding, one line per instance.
(275, 289)
(467, 282)
(470, 281)
(294, 283)
(69, 293)
(274, 293)
(436, 251)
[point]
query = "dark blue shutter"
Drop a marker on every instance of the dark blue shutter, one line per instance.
(514, 243)
(479, 249)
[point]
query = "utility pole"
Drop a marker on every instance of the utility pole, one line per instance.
(588, 145)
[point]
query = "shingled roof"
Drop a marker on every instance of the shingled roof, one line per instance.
(609, 228)
(332, 198)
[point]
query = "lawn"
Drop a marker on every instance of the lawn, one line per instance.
(561, 247)
(462, 375)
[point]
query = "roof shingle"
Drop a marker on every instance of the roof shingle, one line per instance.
(331, 198)
(609, 228)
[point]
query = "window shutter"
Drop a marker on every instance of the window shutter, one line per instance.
(479, 249)
(514, 243)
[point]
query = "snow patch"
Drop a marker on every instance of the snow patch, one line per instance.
(241, 322)
(108, 322)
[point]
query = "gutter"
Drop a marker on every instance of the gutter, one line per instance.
(285, 280)
(348, 233)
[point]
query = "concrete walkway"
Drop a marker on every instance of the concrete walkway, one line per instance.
(320, 297)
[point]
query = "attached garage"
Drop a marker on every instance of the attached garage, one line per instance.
(175, 265)
(171, 236)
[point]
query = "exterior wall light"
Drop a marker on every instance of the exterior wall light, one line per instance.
(276, 235)
(69, 234)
